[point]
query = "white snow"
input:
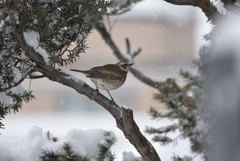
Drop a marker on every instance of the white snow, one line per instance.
(110, 137)
(32, 39)
(76, 79)
(17, 74)
(79, 8)
(1, 25)
(129, 156)
(16, 17)
(19, 90)
(29, 148)
(220, 6)
(17, 127)
(36, 74)
(35, 21)
(70, 76)
(4, 99)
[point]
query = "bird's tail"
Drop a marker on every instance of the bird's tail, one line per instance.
(81, 71)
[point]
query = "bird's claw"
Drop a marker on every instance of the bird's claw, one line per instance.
(112, 101)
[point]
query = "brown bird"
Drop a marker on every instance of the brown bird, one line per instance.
(107, 77)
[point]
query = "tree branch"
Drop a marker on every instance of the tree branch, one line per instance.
(14, 85)
(137, 73)
(183, 2)
(205, 5)
(123, 117)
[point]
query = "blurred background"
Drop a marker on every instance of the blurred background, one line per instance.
(170, 37)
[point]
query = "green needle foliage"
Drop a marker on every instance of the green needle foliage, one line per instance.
(16, 104)
(104, 148)
(182, 108)
(66, 154)
(63, 26)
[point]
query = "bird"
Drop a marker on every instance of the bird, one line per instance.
(107, 77)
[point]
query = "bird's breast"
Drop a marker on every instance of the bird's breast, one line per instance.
(108, 84)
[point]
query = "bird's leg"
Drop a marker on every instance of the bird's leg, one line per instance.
(97, 89)
(110, 96)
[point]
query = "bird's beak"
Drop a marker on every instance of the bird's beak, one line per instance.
(130, 64)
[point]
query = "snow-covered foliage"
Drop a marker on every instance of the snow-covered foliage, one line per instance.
(220, 6)
(56, 30)
(37, 146)
(59, 28)
(32, 39)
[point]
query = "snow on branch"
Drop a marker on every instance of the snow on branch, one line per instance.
(32, 39)
(206, 6)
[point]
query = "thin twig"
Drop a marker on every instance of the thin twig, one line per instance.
(128, 45)
(136, 53)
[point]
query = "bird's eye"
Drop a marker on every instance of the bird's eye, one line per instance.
(124, 65)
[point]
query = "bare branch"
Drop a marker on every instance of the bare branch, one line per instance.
(145, 79)
(137, 73)
(123, 117)
(205, 5)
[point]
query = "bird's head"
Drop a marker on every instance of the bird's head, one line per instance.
(124, 66)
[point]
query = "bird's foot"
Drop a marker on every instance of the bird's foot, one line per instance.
(112, 101)
(97, 90)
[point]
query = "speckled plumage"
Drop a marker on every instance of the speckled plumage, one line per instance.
(107, 77)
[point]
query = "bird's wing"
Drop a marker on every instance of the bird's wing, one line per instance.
(106, 71)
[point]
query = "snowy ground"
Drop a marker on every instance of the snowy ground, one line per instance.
(20, 127)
